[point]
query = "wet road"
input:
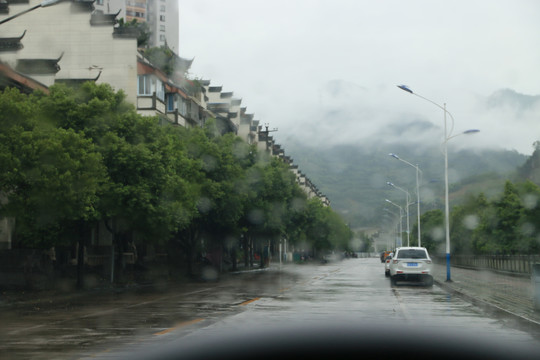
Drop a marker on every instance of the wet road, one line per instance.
(350, 291)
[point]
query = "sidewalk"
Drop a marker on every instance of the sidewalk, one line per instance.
(509, 293)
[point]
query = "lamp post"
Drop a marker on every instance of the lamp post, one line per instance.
(395, 229)
(400, 217)
(44, 3)
(447, 136)
(406, 207)
(418, 171)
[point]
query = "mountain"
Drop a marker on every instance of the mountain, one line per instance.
(530, 170)
(355, 177)
(512, 99)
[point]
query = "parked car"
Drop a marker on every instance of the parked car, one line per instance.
(387, 262)
(411, 264)
(384, 254)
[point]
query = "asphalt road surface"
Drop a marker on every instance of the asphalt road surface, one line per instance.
(327, 301)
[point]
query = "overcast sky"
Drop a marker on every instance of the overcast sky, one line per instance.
(327, 70)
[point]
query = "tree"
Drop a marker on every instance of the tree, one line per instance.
(49, 176)
(144, 187)
(433, 231)
(141, 29)
(56, 179)
(465, 222)
(529, 224)
(530, 170)
(509, 212)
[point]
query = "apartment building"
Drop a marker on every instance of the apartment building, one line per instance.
(68, 42)
(162, 17)
(173, 98)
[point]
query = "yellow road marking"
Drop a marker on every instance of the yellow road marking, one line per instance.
(249, 301)
(179, 325)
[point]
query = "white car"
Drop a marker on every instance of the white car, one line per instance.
(411, 263)
(387, 262)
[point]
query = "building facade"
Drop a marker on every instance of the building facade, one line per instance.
(162, 17)
(65, 43)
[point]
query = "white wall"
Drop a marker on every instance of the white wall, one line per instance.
(87, 50)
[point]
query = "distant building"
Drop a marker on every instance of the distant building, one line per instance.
(162, 17)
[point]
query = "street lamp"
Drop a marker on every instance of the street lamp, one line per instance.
(418, 171)
(447, 136)
(406, 204)
(44, 3)
(400, 217)
(396, 228)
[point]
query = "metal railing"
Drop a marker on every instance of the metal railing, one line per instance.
(517, 264)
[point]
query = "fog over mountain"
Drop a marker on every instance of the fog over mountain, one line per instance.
(355, 176)
(348, 113)
(325, 72)
(508, 98)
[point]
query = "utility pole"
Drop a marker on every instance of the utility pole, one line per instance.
(266, 136)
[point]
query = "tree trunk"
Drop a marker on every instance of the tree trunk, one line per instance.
(245, 245)
(80, 257)
(233, 258)
(251, 252)
(112, 229)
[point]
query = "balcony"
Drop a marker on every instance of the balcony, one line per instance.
(98, 18)
(11, 43)
(4, 7)
(126, 32)
(38, 66)
(147, 103)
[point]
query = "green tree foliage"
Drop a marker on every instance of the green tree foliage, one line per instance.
(530, 170)
(529, 224)
(508, 224)
(140, 29)
(321, 229)
(433, 231)
(49, 176)
(82, 156)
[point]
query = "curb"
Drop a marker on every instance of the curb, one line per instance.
(531, 324)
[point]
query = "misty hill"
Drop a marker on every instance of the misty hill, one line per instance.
(531, 168)
(354, 177)
(513, 99)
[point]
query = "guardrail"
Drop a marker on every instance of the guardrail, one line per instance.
(518, 264)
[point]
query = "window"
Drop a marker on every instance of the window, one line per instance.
(160, 90)
(161, 37)
(145, 85)
(412, 254)
(161, 17)
(171, 102)
(162, 28)
(183, 107)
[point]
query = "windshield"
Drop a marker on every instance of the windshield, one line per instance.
(412, 254)
(198, 173)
